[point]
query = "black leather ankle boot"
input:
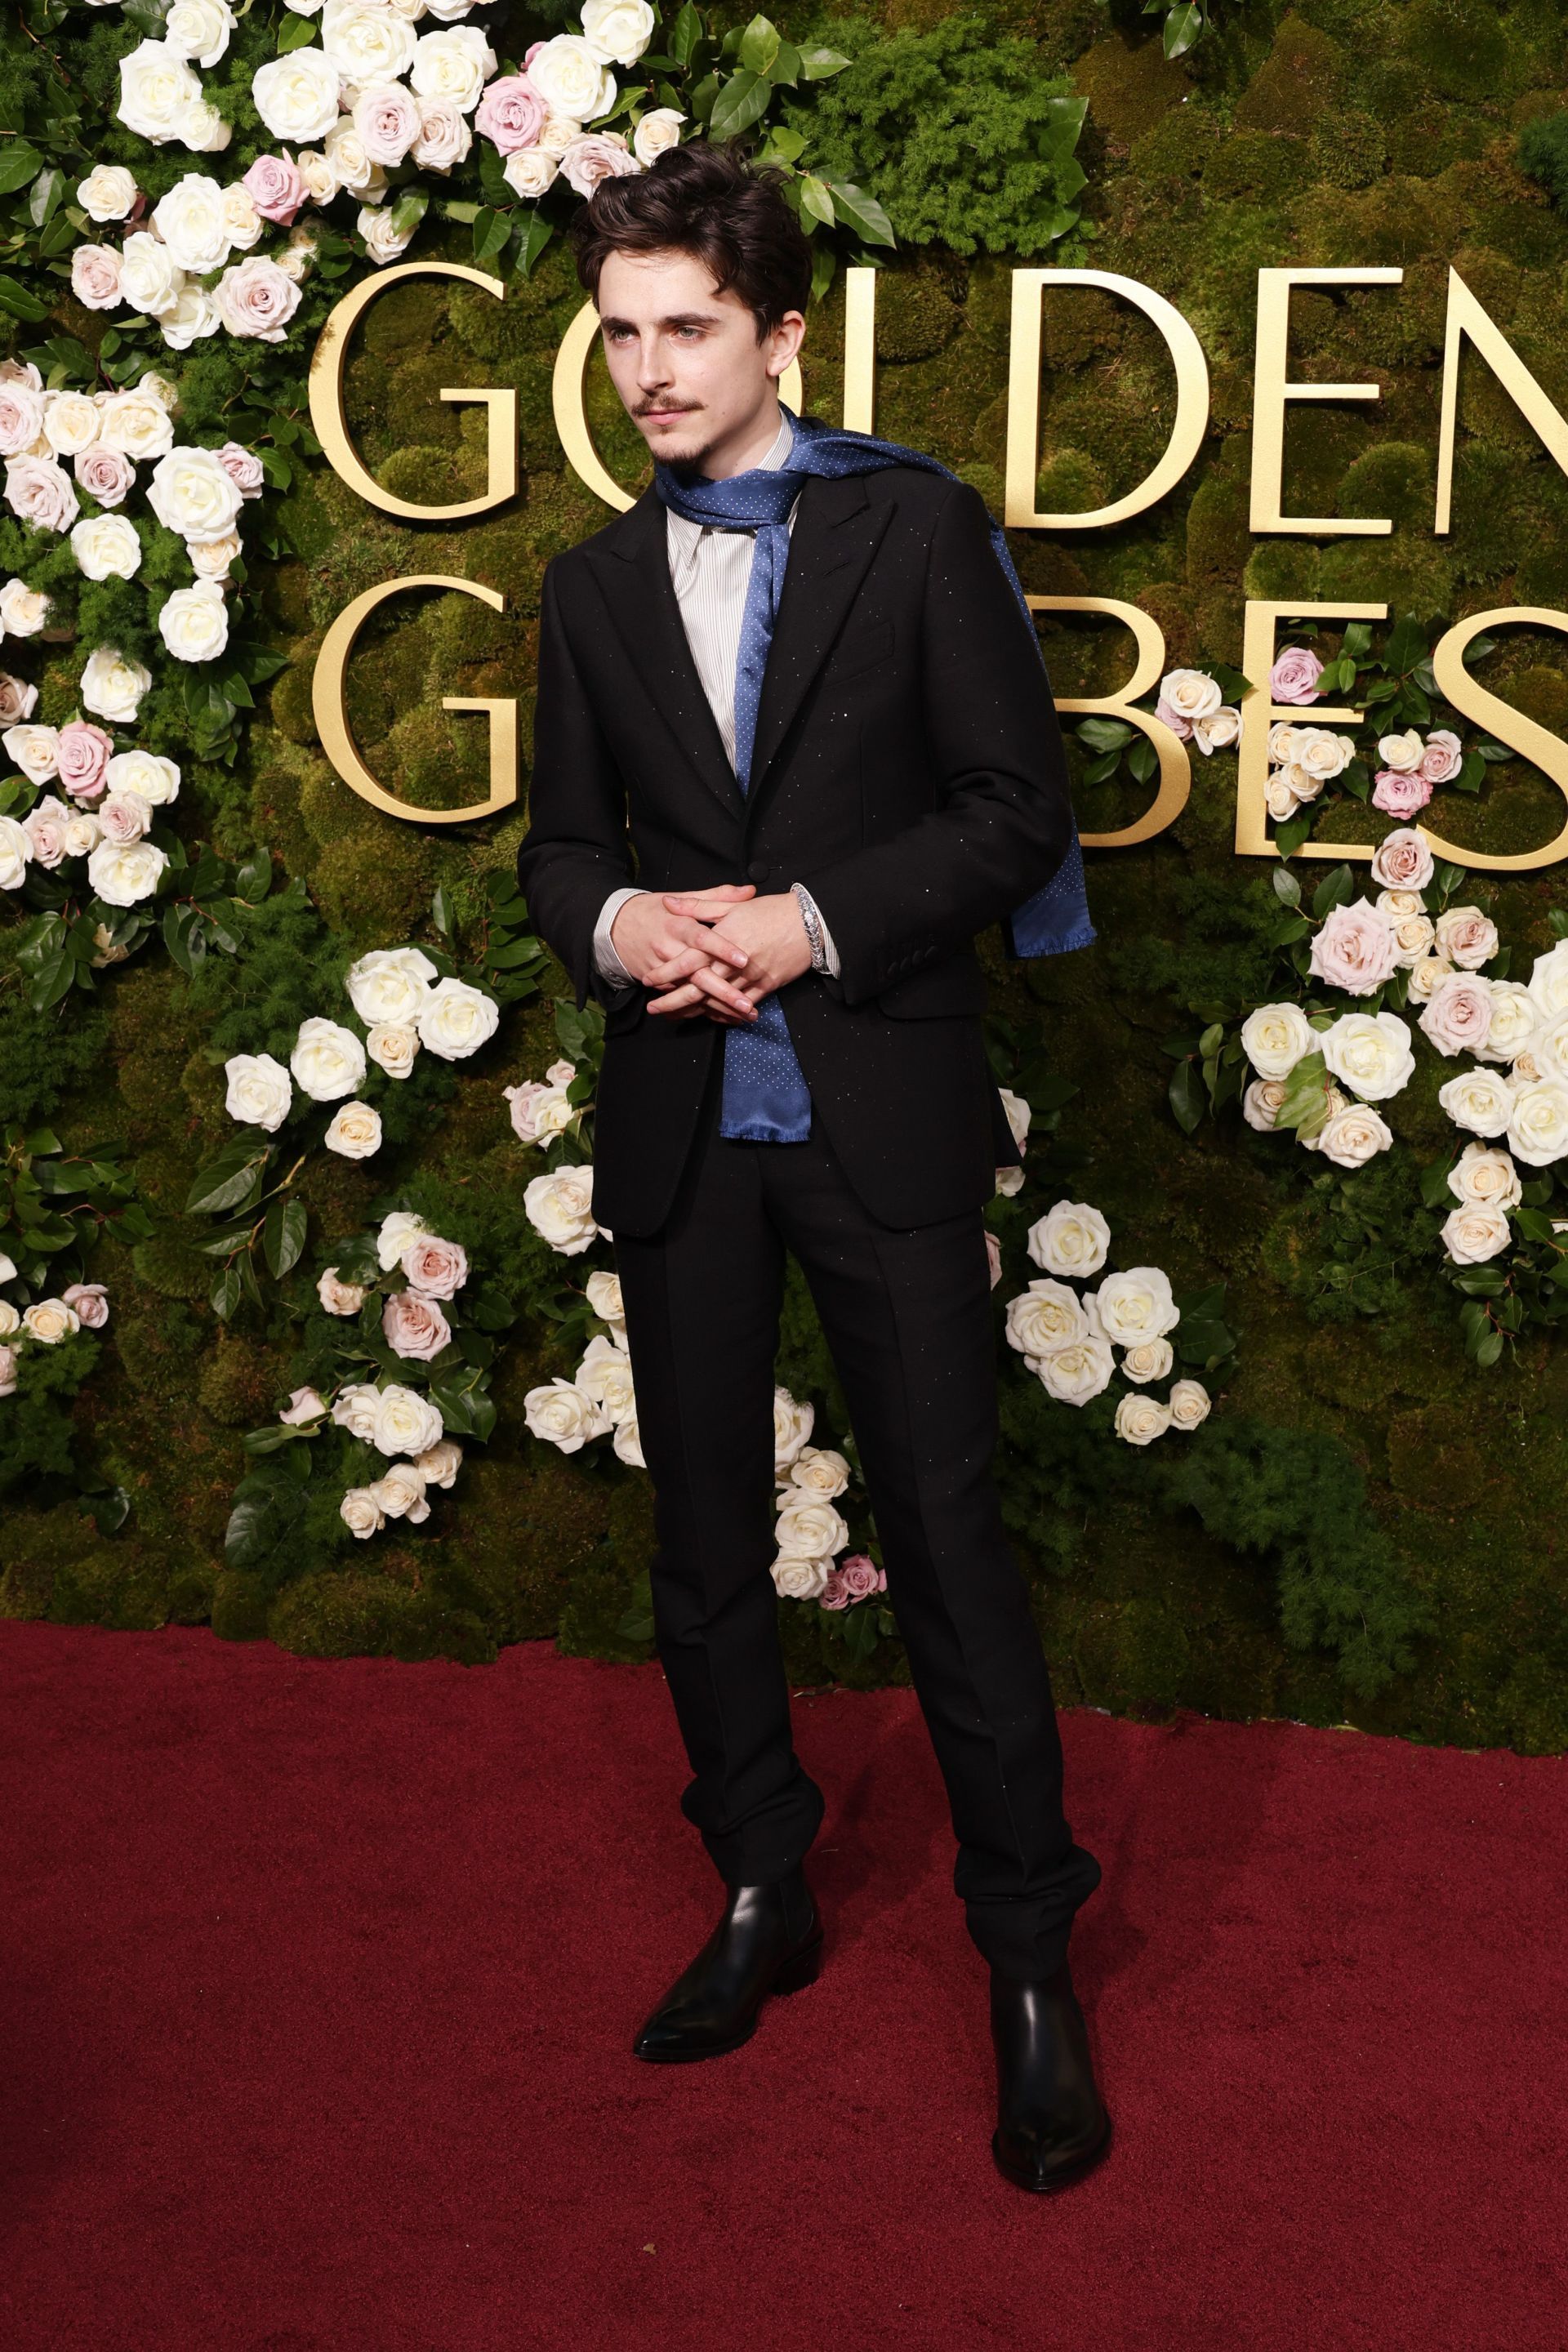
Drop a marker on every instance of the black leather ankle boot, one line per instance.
(768, 1940)
(1050, 2123)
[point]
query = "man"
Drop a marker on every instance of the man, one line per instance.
(793, 695)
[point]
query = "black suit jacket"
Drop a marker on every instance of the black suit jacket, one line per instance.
(908, 768)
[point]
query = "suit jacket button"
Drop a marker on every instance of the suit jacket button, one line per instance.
(758, 870)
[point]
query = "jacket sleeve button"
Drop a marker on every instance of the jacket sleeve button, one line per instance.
(758, 870)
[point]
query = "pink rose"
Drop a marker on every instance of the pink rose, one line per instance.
(415, 1326)
(861, 1575)
(437, 1268)
(125, 816)
(91, 1302)
(835, 1593)
(1401, 795)
(1443, 757)
(243, 469)
(387, 116)
(276, 188)
(1295, 675)
(81, 755)
(994, 1258)
(21, 415)
(256, 299)
(304, 1404)
(1179, 725)
(1356, 949)
(104, 474)
(95, 277)
(597, 155)
(39, 491)
(19, 699)
(1458, 1013)
(1402, 861)
(45, 826)
(511, 114)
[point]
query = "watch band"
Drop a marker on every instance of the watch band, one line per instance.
(808, 916)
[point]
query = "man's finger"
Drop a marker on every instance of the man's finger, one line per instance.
(712, 944)
(718, 894)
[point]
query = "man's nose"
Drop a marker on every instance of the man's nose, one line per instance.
(653, 364)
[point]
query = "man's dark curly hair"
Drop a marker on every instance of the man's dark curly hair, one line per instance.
(703, 199)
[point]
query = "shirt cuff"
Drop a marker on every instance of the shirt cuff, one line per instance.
(606, 962)
(828, 949)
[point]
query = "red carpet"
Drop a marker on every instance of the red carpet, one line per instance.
(318, 1981)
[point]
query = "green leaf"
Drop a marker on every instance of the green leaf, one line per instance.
(19, 160)
(1305, 1106)
(227, 1293)
(743, 100)
(685, 34)
(253, 880)
(283, 1235)
(441, 912)
(1104, 734)
(1288, 836)
(491, 230)
(1406, 645)
(824, 263)
(229, 1179)
(817, 198)
(273, 1439)
(1287, 886)
(1063, 124)
(784, 70)
(1189, 1099)
(293, 33)
(821, 64)
(861, 213)
(20, 303)
(760, 45)
(47, 191)
(1184, 25)
(535, 235)
(1434, 1180)
(1336, 889)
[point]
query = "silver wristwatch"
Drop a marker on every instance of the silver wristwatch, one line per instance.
(808, 916)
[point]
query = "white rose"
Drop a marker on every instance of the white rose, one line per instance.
(50, 1320)
(1352, 1136)
(1279, 798)
(136, 423)
(256, 299)
(1478, 1101)
(365, 42)
(530, 172)
(440, 1464)
(1151, 1360)
(1070, 1239)
(1467, 937)
(792, 1427)
(106, 547)
(1371, 1052)
(563, 1415)
(1142, 1418)
(1282, 742)
(149, 276)
(1549, 1049)
(243, 222)
(560, 1207)
(1413, 934)
(10, 1321)
(625, 1441)
(202, 129)
(81, 837)
(1191, 693)
(383, 240)
(617, 30)
(572, 80)
(1548, 981)
(190, 220)
(353, 1408)
(337, 1297)
(397, 1231)
(1427, 974)
(39, 492)
(34, 749)
(193, 622)
(1301, 783)
(1262, 1103)
(354, 170)
(400, 1492)
(361, 1513)
(322, 183)
(1189, 1405)
(1538, 1122)
(199, 30)
(355, 1131)
(1073, 1375)
(800, 1579)
(156, 84)
(1322, 753)
(659, 129)
(1043, 1318)
(454, 66)
(392, 1048)
(124, 816)
(387, 121)
(15, 853)
(259, 1094)
(193, 318)
(603, 1295)
(23, 610)
(107, 193)
(1401, 753)
(456, 1019)
(1275, 1036)
(122, 873)
(70, 423)
(820, 1471)
(1218, 730)
(560, 131)
(808, 1527)
(1471, 1236)
(213, 559)
(327, 1060)
(1485, 1179)
(606, 1375)
(297, 96)
(149, 773)
(1514, 1021)
(1137, 1305)
(406, 1421)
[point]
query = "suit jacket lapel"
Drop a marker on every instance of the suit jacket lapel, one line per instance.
(837, 532)
(633, 570)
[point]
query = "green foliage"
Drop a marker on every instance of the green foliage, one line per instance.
(1544, 153)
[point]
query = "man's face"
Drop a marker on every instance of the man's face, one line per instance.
(686, 359)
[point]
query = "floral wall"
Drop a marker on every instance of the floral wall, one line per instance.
(295, 1120)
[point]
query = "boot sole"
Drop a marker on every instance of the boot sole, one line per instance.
(1065, 2177)
(794, 1975)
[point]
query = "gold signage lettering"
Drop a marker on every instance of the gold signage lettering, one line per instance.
(330, 422)
(1270, 392)
(570, 415)
(1024, 400)
(1258, 715)
(328, 704)
(860, 350)
(1175, 768)
(1465, 317)
(1548, 752)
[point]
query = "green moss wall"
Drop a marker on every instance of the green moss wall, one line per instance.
(1339, 131)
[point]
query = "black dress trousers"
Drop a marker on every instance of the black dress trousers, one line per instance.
(907, 1317)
